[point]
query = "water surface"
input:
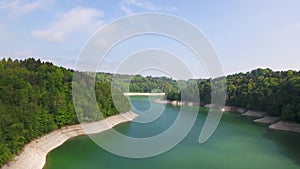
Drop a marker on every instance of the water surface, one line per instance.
(237, 144)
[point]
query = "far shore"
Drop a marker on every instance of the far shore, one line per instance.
(177, 103)
(144, 94)
(267, 120)
(34, 153)
(274, 123)
(286, 126)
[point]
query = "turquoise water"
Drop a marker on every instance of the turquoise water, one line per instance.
(237, 144)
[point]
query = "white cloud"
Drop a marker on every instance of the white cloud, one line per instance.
(19, 6)
(126, 5)
(85, 20)
(126, 10)
(144, 4)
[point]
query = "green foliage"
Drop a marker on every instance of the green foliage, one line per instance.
(36, 98)
(138, 83)
(277, 93)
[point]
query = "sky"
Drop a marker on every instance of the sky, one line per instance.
(245, 34)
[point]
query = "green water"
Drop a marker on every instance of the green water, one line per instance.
(236, 144)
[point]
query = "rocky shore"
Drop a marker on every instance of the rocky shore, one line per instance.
(286, 126)
(267, 120)
(273, 122)
(251, 113)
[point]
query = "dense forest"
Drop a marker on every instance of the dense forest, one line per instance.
(138, 83)
(275, 92)
(36, 98)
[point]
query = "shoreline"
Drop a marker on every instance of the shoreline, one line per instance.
(257, 114)
(144, 94)
(286, 126)
(274, 123)
(177, 103)
(34, 153)
(267, 120)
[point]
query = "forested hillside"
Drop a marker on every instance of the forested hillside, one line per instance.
(276, 92)
(138, 83)
(36, 98)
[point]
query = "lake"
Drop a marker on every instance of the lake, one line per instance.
(238, 143)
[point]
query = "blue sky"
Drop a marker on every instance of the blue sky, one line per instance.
(245, 34)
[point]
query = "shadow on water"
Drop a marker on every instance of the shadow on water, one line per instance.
(288, 142)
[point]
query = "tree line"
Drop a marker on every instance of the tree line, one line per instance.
(36, 98)
(275, 92)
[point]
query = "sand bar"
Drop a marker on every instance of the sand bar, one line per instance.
(34, 153)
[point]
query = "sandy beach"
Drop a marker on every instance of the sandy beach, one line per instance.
(34, 153)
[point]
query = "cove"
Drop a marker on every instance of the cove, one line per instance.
(237, 143)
